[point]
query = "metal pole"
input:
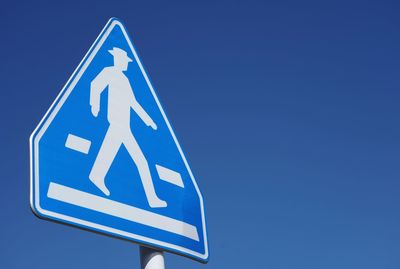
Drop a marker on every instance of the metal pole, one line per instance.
(151, 258)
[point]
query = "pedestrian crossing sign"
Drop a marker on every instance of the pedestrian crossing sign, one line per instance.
(105, 157)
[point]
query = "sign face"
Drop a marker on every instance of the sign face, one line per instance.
(105, 157)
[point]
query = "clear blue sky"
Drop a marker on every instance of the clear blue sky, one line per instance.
(288, 112)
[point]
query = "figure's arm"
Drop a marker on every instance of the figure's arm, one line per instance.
(142, 113)
(97, 86)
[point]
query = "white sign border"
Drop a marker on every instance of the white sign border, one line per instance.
(48, 118)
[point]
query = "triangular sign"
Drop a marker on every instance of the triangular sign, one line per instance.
(105, 157)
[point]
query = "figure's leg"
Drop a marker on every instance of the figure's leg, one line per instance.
(144, 171)
(104, 159)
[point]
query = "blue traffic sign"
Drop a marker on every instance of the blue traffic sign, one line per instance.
(105, 157)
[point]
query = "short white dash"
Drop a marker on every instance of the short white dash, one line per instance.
(77, 143)
(169, 176)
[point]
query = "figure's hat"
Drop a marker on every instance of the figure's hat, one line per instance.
(119, 53)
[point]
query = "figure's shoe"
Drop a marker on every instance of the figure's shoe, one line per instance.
(100, 184)
(157, 202)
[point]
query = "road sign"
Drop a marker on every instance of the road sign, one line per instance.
(105, 157)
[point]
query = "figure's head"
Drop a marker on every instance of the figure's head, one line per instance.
(121, 58)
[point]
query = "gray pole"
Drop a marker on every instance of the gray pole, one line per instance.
(151, 258)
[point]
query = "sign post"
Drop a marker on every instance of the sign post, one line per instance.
(151, 258)
(105, 158)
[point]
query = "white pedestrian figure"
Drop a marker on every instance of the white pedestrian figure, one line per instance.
(120, 101)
